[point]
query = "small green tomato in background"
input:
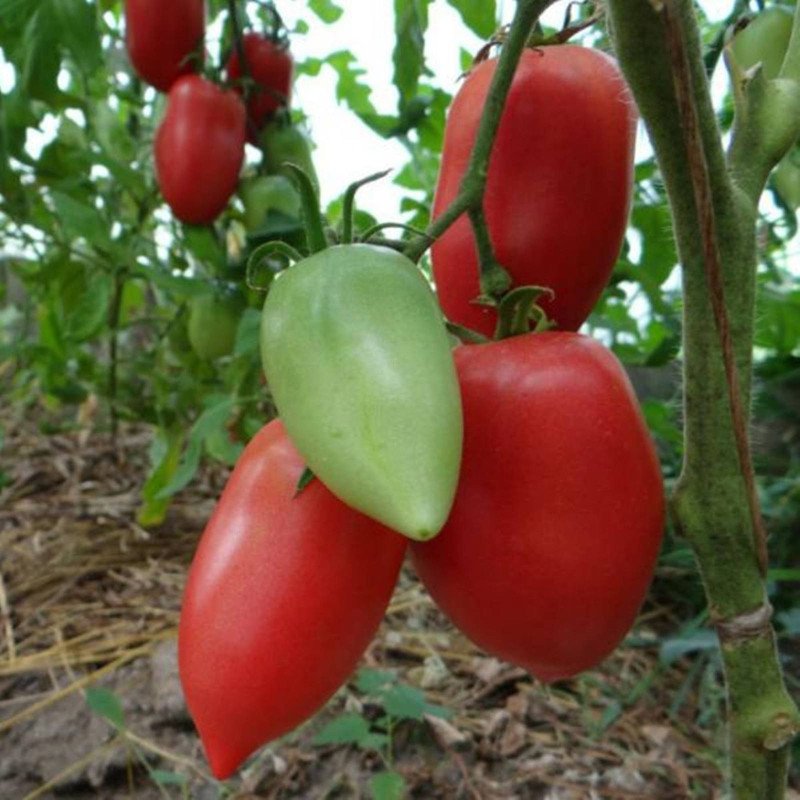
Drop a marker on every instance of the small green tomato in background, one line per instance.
(267, 193)
(213, 322)
(764, 40)
(359, 364)
(283, 143)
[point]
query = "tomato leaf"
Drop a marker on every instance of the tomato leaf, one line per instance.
(166, 778)
(676, 647)
(104, 702)
(248, 332)
(305, 479)
(345, 729)
(203, 243)
(39, 57)
(480, 18)
(404, 702)
(388, 786)
(352, 90)
(371, 681)
(165, 453)
(77, 24)
(80, 220)
(208, 423)
(410, 24)
(326, 10)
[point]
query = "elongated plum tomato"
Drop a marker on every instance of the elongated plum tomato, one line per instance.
(284, 594)
(213, 323)
(164, 39)
(271, 67)
(554, 534)
(199, 149)
(559, 183)
(360, 367)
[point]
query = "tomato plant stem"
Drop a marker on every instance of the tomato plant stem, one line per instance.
(714, 210)
(470, 197)
(312, 217)
(348, 203)
(238, 43)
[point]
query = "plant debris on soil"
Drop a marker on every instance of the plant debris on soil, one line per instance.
(89, 605)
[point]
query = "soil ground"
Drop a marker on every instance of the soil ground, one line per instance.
(90, 599)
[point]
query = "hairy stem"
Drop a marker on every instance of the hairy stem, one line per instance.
(710, 504)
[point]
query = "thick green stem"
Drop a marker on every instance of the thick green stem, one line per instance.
(470, 196)
(711, 501)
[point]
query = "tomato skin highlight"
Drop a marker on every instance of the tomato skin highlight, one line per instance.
(283, 596)
(160, 38)
(271, 68)
(199, 149)
(360, 367)
(559, 183)
(558, 519)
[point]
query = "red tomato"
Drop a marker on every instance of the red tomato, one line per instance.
(557, 522)
(271, 68)
(284, 594)
(559, 184)
(162, 37)
(199, 149)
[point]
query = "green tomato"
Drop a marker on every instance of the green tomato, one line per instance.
(359, 363)
(213, 322)
(764, 40)
(786, 180)
(285, 143)
(268, 193)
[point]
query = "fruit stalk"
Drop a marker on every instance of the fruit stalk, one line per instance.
(710, 504)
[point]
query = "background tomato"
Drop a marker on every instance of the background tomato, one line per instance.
(558, 519)
(213, 323)
(199, 149)
(164, 40)
(764, 41)
(359, 364)
(559, 183)
(284, 594)
(282, 143)
(271, 68)
(266, 193)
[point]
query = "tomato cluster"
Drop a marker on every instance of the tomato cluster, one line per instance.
(200, 144)
(520, 468)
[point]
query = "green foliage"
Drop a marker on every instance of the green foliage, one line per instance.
(97, 278)
(394, 703)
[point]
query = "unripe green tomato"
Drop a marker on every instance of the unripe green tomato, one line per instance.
(268, 193)
(764, 40)
(285, 143)
(213, 322)
(359, 364)
(786, 180)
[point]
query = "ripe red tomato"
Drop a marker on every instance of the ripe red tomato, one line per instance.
(284, 594)
(199, 149)
(558, 518)
(271, 68)
(162, 37)
(559, 183)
